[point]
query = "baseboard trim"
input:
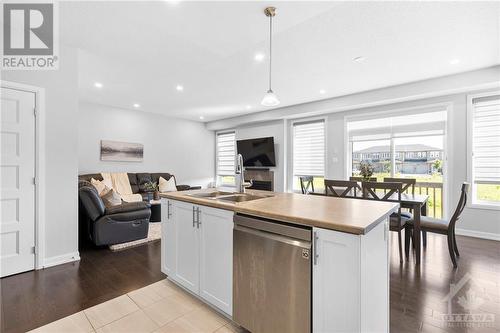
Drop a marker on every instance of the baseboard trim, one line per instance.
(478, 234)
(62, 259)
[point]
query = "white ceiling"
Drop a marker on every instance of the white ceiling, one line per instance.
(141, 50)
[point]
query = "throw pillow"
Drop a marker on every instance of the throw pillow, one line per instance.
(111, 199)
(167, 185)
(100, 186)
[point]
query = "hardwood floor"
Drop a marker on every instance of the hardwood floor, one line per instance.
(417, 293)
(34, 299)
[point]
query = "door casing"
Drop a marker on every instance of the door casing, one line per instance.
(39, 166)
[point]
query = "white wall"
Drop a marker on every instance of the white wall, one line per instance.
(61, 149)
(451, 89)
(275, 129)
(183, 148)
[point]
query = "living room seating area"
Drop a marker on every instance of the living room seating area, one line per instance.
(105, 224)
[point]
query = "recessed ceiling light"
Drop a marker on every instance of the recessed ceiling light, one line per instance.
(179, 87)
(136, 105)
(201, 117)
(259, 57)
(98, 84)
(248, 107)
(454, 61)
(359, 59)
(322, 91)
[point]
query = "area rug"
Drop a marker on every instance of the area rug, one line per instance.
(154, 234)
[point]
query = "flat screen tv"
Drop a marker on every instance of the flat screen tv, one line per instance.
(257, 152)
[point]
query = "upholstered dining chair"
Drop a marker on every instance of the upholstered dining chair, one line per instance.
(306, 182)
(397, 221)
(341, 188)
(445, 227)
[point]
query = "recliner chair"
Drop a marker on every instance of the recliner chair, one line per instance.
(111, 225)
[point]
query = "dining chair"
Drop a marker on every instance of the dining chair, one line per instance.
(341, 188)
(397, 221)
(445, 227)
(408, 187)
(361, 179)
(306, 182)
(408, 183)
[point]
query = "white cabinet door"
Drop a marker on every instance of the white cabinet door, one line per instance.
(187, 250)
(216, 251)
(168, 237)
(375, 281)
(336, 282)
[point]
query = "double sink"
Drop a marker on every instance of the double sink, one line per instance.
(228, 196)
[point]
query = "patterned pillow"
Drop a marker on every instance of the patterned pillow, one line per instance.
(101, 187)
(111, 198)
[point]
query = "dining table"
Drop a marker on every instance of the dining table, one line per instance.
(417, 203)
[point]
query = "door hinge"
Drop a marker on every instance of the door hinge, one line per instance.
(33, 250)
(34, 180)
(35, 113)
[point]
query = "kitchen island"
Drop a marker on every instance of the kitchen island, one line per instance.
(344, 280)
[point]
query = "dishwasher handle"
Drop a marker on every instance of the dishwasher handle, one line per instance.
(274, 237)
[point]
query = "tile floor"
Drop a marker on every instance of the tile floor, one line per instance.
(161, 307)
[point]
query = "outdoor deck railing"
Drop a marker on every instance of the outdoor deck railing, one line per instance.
(435, 193)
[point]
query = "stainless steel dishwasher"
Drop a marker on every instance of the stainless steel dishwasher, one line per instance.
(271, 276)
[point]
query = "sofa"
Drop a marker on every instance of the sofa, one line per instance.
(137, 181)
(127, 222)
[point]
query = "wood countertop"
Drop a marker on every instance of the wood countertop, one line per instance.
(353, 216)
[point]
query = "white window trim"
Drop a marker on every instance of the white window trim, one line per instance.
(470, 109)
(292, 122)
(216, 177)
(447, 146)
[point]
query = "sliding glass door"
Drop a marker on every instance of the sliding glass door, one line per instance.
(403, 146)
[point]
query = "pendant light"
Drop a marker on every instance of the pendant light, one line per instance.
(270, 98)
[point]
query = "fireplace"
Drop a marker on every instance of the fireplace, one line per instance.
(263, 179)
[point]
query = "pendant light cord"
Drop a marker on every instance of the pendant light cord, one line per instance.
(270, 48)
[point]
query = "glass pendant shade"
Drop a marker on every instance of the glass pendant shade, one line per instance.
(270, 99)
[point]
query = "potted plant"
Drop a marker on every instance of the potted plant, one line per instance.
(152, 187)
(366, 170)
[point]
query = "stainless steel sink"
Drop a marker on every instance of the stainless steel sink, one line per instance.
(241, 197)
(210, 194)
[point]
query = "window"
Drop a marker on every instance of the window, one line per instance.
(397, 145)
(309, 152)
(484, 148)
(226, 154)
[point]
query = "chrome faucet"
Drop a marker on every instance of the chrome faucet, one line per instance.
(241, 185)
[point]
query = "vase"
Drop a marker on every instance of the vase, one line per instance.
(156, 195)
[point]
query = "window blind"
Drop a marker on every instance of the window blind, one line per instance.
(226, 153)
(486, 140)
(309, 148)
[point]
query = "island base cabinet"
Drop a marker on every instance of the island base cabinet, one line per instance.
(168, 237)
(351, 281)
(216, 264)
(197, 251)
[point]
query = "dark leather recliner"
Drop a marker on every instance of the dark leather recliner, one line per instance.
(118, 224)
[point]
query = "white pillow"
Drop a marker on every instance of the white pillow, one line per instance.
(167, 185)
(100, 186)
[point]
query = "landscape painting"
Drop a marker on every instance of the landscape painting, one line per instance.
(121, 151)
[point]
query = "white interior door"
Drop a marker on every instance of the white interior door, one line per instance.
(17, 188)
